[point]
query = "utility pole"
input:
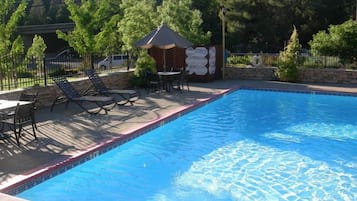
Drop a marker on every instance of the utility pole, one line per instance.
(224, 40)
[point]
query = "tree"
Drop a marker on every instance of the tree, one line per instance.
(37, 12)
(108, 40)
(17, 46)
(82, 37)
(57, 12)
(38, 48)
(263, 25)
(179, 16)
(288, 59)
(249, 27)
(138, 20)
(141, 17)
(210, 19)
(312, 16)
(339, 40)
(36, 53)
(46, 12)
(91, 18)
(11, 12)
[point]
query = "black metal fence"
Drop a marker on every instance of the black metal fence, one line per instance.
(271, 59)
(19, 71)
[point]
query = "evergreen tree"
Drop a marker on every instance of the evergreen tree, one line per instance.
(313, 16)
(288, 59)
(210, 19)
(57, 12)
(255, 24)
(37, 12)
(262, 25)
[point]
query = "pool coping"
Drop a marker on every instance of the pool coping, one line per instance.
(47, 171)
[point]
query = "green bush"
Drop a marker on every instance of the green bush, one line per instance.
(340, 40)
(24, 74)
(352, 66)
(144, 63)
(239, 60)
(311, 62)
(58, 72)
(320, 62)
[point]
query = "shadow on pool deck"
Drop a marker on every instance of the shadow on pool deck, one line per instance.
(64, 133)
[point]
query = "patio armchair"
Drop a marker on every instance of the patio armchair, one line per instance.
(72, 95)
(26, 96)
(121, 96)
(23, 115)
(183, 80)
(153, 82)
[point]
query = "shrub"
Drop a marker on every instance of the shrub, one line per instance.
(144, 63)
(311, 62)
(239, 60)
(288, 59)
(58, 72)
(339, 40)
(24, 74)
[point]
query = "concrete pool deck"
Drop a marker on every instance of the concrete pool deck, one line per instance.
(67, 134)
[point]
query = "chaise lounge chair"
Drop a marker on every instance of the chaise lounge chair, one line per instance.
(121, 96)
(71, 95)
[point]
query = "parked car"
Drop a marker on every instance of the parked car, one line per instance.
(113, 60)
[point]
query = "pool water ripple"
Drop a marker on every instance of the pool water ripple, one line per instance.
(271, 173)
(249, 145)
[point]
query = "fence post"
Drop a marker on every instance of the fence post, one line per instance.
(1, 75)
(325, 61)
(128, 61)
(44, 71)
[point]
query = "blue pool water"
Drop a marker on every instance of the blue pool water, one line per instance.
(248, 145)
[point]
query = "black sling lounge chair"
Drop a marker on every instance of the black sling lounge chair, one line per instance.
(123, 96)
(71, 95)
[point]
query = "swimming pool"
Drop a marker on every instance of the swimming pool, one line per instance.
(248, 145)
